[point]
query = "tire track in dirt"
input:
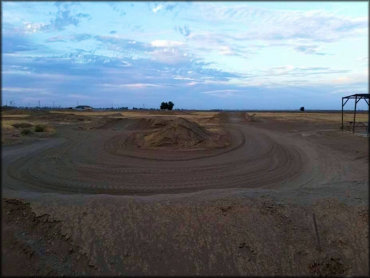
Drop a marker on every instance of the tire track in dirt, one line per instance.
(88, 162)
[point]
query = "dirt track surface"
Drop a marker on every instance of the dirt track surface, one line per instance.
(98, 161)
(247, 208)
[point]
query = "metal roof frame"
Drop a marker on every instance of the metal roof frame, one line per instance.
(357, 98)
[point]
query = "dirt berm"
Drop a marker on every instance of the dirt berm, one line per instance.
(175, 133)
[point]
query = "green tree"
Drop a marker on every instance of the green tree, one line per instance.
(164, 105)
(167, 105)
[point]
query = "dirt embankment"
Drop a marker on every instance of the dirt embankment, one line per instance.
(37, 244)
(176, 133)
(118, 236)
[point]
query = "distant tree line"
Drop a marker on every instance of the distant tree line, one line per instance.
(167, 105)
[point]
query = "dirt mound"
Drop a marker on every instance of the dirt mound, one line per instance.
(127, 123)
(221, 117)
(250, 117)
(106, 123)
(167, 112)
(148, 123)
(175, 133)
(232, 117)
(178, 132)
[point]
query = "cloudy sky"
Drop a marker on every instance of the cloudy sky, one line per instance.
(201, 55)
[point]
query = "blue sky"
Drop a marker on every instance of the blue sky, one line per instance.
(200, 55)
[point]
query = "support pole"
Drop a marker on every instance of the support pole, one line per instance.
(368, 117)
(342, 114)
(354, 116)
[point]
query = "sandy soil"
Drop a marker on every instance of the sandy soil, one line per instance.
(282, 196)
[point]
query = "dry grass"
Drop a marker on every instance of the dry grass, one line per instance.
(331, 117)
(8, 124)
(15, 115)
(199, 116)
(86, 113)
(14, 130)
(204, 114)
(138, 113)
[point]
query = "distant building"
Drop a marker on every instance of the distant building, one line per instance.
(83, 107)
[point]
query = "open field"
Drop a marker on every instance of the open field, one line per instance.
(332, 117)
(183, 193)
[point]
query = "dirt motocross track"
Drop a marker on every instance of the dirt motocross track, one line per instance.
(185, 194)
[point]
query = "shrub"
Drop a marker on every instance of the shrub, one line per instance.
(26, 131)
(40, 128)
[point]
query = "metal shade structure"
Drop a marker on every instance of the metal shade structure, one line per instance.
(357, 98)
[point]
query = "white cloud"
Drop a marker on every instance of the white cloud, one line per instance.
(216, 82)
(293, 71)
(221, 93)
(157, 8)
(281, 70)
(131, 85)
(350, 79)
(226, 50)
(30, 27)
(182, 78)
(79, 96)
(54, 76)
(268, 24)
(192, 83)
(21, 90)
(309, 49)
(168, 56)
(140, 85)
(166, 43)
